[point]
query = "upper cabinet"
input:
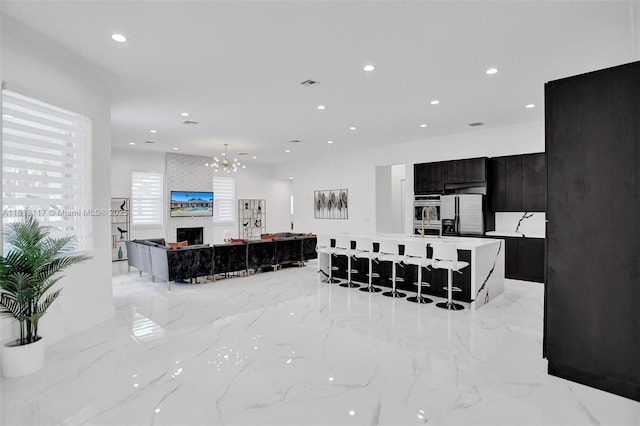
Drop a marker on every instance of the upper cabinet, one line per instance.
(427, 178)
(433, 177)
(517, 183)
(469, 170)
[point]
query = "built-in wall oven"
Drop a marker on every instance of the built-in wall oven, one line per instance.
(426, 215)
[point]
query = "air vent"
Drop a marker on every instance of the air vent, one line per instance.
(294, 141)
(243, 153)
(149, 142)
(190, 123)
(310, 83)
(476, 124)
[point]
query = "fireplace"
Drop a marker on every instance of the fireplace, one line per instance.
(192, 235)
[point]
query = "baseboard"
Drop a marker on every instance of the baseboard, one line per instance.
(605, 383)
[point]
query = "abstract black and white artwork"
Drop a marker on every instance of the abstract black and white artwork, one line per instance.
(331, 204)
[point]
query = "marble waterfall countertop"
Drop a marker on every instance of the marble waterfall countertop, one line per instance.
(486, 266)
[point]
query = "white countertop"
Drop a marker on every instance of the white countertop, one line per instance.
(461, 242)
(513, 234)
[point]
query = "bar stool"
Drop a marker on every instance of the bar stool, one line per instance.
(445, 256)
(388, 251)
(343, 248)
(415, 253)
(323, 245)
(364, 250)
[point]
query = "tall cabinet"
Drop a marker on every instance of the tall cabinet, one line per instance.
(592, 291)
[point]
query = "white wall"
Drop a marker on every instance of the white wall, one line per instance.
(256, 181)
(356, 171)
(48, 72)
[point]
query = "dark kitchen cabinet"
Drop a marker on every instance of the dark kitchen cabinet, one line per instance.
(592, 296)
(516, 183)
(469, 170)
(524, 259)
(427, 178)
(533, 183)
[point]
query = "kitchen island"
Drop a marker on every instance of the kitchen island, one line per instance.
(480, 282)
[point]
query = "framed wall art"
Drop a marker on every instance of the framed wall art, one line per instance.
(331, 204)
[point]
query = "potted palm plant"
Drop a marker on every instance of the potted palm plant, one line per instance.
(28, 273)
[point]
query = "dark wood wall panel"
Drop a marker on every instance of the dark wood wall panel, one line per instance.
(592, 292)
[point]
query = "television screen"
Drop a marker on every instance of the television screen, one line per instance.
(191, 203)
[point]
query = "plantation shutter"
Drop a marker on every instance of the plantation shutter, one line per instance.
(46, 167)
(147, 199)
(223, 200)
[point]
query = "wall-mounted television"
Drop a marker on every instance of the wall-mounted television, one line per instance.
(191, 203)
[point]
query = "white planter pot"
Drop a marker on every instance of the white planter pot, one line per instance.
(22, 360)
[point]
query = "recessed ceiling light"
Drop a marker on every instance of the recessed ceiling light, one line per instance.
(290, 177)
(423, 125)
(435, 102)
(132, 143)
(329, 141)
(254, 157)
(184, 114)
(153, 131)
(223, 153)
(321, 107)
(352, 128)
(119, 38)
(369, 68)
(175, 148)
(530, 106)
(491, 71)
(287, 150)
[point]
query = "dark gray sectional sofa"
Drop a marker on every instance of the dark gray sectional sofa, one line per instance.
(151, 256)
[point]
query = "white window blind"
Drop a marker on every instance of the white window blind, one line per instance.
(46, 167)
(223, 199)
(147, 200)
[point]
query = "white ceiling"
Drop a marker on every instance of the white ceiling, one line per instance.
(236, 66)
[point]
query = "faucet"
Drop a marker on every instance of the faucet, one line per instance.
(424, 211)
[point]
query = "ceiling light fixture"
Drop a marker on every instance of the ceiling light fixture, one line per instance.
(153, 131)
(369, 68)
(423, 125)
(435, 102)
(491, 71)
(119, 38)
(175, 148)
(254, 157)
(225, 165)
(287, 150)
(184, 114)
(321, 107)
(329, 141)
(530, 106)
(132, 143)
(352, 128)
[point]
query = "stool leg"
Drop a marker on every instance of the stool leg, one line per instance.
(349, 283)
(393, 292)
(331, 280)
(449, 304)
(419, 298)
(370, 288)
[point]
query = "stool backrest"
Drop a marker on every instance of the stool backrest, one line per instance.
(363, 243)
(343, 241)
(445, 251)
(388, 246)
(323, 241)
(415, 248)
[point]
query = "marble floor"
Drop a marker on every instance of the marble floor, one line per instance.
(280, 348)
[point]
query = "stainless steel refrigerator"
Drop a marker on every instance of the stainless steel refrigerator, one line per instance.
(462, 214)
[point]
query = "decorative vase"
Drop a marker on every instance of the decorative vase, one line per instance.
(21, 360)
(120, 254)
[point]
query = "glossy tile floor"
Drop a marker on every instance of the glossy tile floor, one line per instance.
(281, 348)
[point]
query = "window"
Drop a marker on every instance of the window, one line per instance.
(147, 200)
(223, 200)
(46, 167)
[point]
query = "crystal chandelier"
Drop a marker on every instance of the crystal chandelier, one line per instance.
(225, 165)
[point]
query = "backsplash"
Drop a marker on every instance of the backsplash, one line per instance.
(525, 222)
